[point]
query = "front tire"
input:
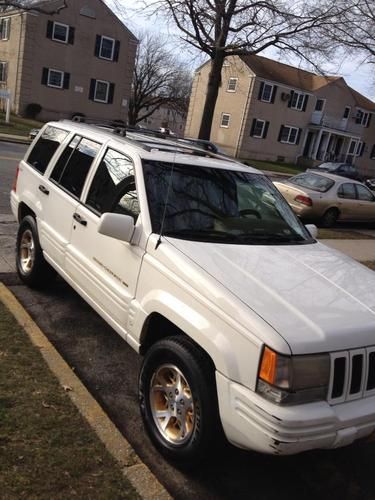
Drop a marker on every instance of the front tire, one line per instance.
(178, 400)
(31, 266)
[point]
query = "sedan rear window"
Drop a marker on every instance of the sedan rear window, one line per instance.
(313, 182)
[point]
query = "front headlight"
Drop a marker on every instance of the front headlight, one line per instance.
(293, 379)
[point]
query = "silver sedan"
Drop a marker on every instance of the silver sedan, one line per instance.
(328, 198)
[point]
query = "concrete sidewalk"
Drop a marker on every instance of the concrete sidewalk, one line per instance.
(361, 250)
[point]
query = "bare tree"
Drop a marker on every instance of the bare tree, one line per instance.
(159, 79)
(356, 30)
(43, 6)
(221, 28)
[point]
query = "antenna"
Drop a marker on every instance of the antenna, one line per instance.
(165, 205)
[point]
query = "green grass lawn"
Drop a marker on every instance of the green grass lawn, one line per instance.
(47, 449)
(283, 168)
(18, 125)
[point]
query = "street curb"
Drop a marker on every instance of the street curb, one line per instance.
(16, 140)
(139, 475)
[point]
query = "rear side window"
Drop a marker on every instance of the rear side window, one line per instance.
(113, 186)
(72, 167)
(46, 147)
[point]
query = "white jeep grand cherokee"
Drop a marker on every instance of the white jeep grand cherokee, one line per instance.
(247, 324)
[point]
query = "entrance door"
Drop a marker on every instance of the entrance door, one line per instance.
(306, 150)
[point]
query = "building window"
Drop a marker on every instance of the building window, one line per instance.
(319, 106)
(298, 101)
(289, 135)
(225, 119)
(60, 32)
(3, 71)
(102, 91)
(4, 28)
(259, 129)
(55, 78)
(107, 48)
(266, 92)
(363, 118)
(232, 84)
(346, 112)
(359, 148)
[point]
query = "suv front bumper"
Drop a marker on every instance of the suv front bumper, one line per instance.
(251, 422)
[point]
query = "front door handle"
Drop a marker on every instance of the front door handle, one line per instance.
(43, 189)
(79, 219)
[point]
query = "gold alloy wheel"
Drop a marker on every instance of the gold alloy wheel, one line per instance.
(172, 404)
(27, 251)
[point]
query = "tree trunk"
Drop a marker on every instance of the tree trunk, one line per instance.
(214, 81)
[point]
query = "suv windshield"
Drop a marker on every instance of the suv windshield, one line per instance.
(217, 205)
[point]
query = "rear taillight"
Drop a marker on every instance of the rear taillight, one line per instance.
(14, 187)
(305, 200)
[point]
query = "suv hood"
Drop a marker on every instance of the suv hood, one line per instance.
(316, 298)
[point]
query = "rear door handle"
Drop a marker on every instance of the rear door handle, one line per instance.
(79, 219)
(43, 189)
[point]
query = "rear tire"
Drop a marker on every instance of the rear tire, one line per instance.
(178, 400)
(31, 266)
(329, 218)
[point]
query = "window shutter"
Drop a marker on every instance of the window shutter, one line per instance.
(44, 76)
(280, 133)
(369, 120)
(274, 91)
(97, 45)
(66, 80)
(290, 99)
(265, 130)
(261, 91)
(116, 51)
(253, 127)
(362, 149)
(305, 102)
(49, 29)
(299, 135)
(111, 93)
(8, 28)
(71, 35)
(92, 89)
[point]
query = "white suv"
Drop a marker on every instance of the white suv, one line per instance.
(246, 323)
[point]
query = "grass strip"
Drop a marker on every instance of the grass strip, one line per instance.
(18, 125)
(47, 449)
(333, 234)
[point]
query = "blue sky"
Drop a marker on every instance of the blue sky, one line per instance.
(358, 75)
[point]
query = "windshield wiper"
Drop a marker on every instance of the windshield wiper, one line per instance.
(272, 238)
(206, 234)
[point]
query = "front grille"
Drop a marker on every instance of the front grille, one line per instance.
(352, 375)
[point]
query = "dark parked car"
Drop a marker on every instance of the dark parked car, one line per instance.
(343, 169)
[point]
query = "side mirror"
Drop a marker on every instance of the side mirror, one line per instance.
(312, 229)
(118, 226)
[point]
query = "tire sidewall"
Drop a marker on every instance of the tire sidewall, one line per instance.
(161, 355)
(35, 275)
(331, 219)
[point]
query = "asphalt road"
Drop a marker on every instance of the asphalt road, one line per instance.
(109, 368)
(10, 155)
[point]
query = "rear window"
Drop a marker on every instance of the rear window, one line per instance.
(45, 148)
(313, 182)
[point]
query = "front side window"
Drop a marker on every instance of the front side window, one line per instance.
(364, 194)
(107, 46)
(225, 120)
(55, 78)
(101, 91)
(74, 164)
(4, 28)
(3, 71)
(60, 32)
(217, 205)
(113, 186)
(45, 148)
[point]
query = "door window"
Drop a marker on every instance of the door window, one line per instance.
(347, 191)
(364, 194)
(46, 147)
(113, 187)
(74, 164)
